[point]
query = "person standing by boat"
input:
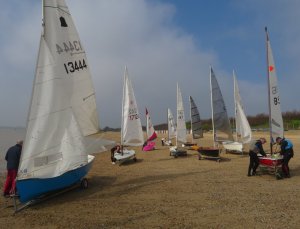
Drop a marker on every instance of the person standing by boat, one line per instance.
(13, 159)
(256, 147)
(115, 149)
(287, 151)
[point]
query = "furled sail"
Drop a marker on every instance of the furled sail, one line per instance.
(171, 125)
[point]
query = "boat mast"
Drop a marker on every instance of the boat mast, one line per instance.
(269, 99)
(235, 109)
(191, 119)
(122, 119)
(177, 116)
(168, 121)
(212, 108)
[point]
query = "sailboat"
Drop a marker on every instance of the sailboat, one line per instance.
(220, 121)
(62, 110)
(171, 129)
(275, 115)
(131, 127)
(181, 127)
(196, 128)
(243, 129)
(151, 134)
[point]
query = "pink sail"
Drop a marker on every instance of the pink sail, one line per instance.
(151, 134)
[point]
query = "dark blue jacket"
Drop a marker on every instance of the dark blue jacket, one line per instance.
(13, 156)
(286, 147)
(260, 147)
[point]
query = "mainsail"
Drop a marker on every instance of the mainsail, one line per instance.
(131, 129)
(151, 134)
(171, 125)
(63, 107)
(196, 127)
(221, 125)
(275, 116)
(181, 126)
(243, 128)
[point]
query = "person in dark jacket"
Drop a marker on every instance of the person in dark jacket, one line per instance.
(13, 159)
(287, 151)
(115, 149)
(256, 147)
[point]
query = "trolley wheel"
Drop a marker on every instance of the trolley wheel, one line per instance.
(219, 160)
(84, 183)
(135, 159)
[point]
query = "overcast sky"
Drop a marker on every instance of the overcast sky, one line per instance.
(162, 42)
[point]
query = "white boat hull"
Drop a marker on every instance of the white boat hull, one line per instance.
(125, 156)
(233, 146)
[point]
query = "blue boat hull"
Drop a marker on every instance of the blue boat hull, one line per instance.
(30, 189)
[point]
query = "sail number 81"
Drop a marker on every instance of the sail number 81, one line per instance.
(276, 100)
(75, 66)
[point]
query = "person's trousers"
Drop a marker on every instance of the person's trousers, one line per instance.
(10, 183)
(285, 164)
(254, 162)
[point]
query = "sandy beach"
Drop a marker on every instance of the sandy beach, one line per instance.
(159, 191)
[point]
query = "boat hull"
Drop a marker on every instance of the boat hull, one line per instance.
(209, 152)
(233, 146)
(125, 156)
(29, 189)
(269, 162)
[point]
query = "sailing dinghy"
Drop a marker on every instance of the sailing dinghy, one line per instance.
(180, 129)
(151, 134)
(131, 127)
(220, 122)
(62, 110)
(243, 129)
(275, 116)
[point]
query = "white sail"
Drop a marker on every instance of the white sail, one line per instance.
(196, 127)
(151, 134)
(63, 107)
(171, 125)
(243, 128)
(181, 126)
(131, 130)
(221, 125)
(275, 115)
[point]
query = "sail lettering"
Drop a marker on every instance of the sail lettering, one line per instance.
(69, 46)
(276, 100)
(133, 114)
(71, 67)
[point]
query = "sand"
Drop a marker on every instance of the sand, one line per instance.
(159, 191)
